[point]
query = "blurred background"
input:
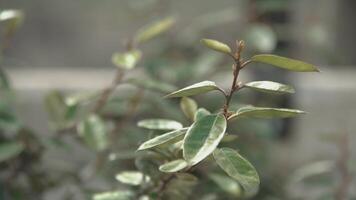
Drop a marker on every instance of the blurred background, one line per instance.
(67, 46)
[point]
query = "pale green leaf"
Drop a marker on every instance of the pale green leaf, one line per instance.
(13, 19)
(197, 88)
(260, 38)
(265, 113)
(154, 30)
(203, 137)
(10, 150)
(201, 112)
(159, 124)
(238, 168)
(113, 195)
(94, 132)
(227, 184)
(270, 87)
(189, 107)
(216, 45)
(285, 63)
(127, 60)
(173, 166)
(163, 139)
(132, 177)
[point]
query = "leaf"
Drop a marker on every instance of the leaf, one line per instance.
(203, 137)
(238, 168)
(94, 132)
(197, 88)
(113, 195)
(261, 38)
(151, 84)
(173, 166)
(189, 107)
(132, 177)
(159, 124)
(162, 139)
(216, 45)
(127, 60)
(13, 19)
(154, 30)
(270, 87)
(227, 184)
(285, 63)
(201, 112)
(265, 113)
(229, 138)
(10, 150)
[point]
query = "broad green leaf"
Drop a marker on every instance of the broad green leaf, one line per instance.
(203, 137)
(113, 195)
(132, 177)
(227, 184)
(163, 139)
(151, 84)
(94, 132)
(197, 88)
(238, 168)
(201, 112)
(173, 166)
(154, 30)
(270, 87)
(265, 113)
(189, 107)
(10, 150)
(159, 124)
(127, 60)
(216, 45)
(285, 63)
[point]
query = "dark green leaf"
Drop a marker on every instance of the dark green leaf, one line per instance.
(189, 107)
(201, 112)
(154, 30)
(285, 63)
(132, 177)
(265, 113)
(127, 60)
(159, 124)
(10, 150)
(173, 166)
(94, 132)
(198, 88)
(203, 137)
(238, 168)
(216, 45)
(270, 87)
(163, 139)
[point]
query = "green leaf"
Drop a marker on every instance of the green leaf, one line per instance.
(270, 87)
(153, 30)
(113, 195)
(197, 88)
(10, 150)
(189, 107)
(173, 166)
(201, 112)
(216, 45)
(227, 184)
(127, 60)
(285, 63)
(132, 177)
(151, 84)
(238, 168)
(265, 113)
(13, 19)
(260, 38)
(163, 139)
(229, 138)
(159, 124)
(94, 132)
(203, 137)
